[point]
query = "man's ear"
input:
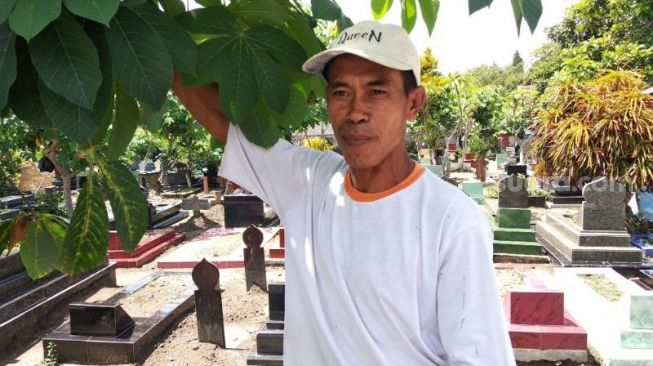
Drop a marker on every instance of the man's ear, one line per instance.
(416, 99)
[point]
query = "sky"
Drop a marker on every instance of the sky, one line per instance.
(460, 41)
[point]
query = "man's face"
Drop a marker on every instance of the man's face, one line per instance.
(368, 109)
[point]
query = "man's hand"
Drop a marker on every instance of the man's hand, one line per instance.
(203, 102)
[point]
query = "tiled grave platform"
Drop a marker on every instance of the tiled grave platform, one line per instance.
(150, 247)
(474, 190)
(25, 302)
(192, 252)
(131, 344)
(539, 326)
(604, 320)
(513, 234)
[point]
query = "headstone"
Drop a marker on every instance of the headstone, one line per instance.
(516, 169)
(501, 159)
(514, 218)
(196, 205)
(474, 190)
(639, 335)
(242, 210)
(513, 192)
(208, 304)
(99, 320)
(276, 299)
(254, 259)
(604, 207)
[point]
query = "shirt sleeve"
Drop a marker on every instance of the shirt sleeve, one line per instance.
(279, 175)
(471, 319)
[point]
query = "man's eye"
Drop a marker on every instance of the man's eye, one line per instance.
(378, 92)
(340, 93)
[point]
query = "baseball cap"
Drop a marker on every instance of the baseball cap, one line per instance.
(385, 44)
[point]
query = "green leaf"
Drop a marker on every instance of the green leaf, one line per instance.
(67, 61)
(6, 6)
(299, 29)
(260, 12)
(476, 5)
(7, 62)
(344, 23)
(124, 123)
(532, 11)
(293, 115)
(29, 17)
(41, 249)
(282, 48)
(104, 100)
(213, 56)
(127, 203)
(151, 118)
(181, 47)
(238, 90)
(87, 238)
(516, 11)
(24, 99)
(99, 10)
(140, 60)
(259, 129)
(326, 9)
(173, 7)
(408, 14)
(73, 121)
(429, 9)
(213, 20)
(380, 8)
(208, 3)
(271, 82)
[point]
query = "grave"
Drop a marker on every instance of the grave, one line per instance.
(150, 247)
(474, 190)
(15, 201)
(119, 340)
(598, 236)
(23, 302)
(208, 304)
(539, 326)
(269, 340)
(280, 251)
(435, 169)
(501, 159)
(164, 214)
(566, 194)
(644, 242)
(242, 210)
(605, 311)
(513, 192)
(639, 333)
(513, 234)
(254, 258)
(205, 201)
(8, 213)
(516, 169)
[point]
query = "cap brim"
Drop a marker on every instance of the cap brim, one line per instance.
(315, 64)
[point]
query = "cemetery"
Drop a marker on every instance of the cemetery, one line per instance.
(120, 243)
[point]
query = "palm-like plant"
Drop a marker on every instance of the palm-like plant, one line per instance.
(602, 127)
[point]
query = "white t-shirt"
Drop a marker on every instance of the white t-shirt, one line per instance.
(402, 277)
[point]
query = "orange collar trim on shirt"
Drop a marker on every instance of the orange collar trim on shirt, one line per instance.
(359, 196)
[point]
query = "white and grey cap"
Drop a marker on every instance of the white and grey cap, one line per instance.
(385, 44)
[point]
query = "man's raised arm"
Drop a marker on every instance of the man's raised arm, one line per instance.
(203, 102)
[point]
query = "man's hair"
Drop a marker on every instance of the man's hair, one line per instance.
(407, 76)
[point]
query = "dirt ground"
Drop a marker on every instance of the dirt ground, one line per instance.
(244, 312)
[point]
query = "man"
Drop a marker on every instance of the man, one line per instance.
(385, 264)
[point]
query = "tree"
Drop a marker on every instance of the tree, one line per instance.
(93, 74)
(601, 127)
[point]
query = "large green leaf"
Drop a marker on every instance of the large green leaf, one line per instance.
(294, 113)
(67, 61)
(213, 20)
(151, 118)
(260, 12)
(7, 62)
(41, 249)
(476, 5)
(99, 10)
(326, 9)
(181, 47)
(516, 11)
(380, 8)
(408, 14)
(73, 121)
(259, 129)
(208, 3)
(272, 84)
(173, 7)
(532, 11)
(238, 86)
(127, 203)
(29, 17)
(140, 60)
(124, 123)
(213, 57)
(105, 93)
(6, 6)
(429, 9)
(24, 98)
(87, 238)
(282, 48)
(299, 29)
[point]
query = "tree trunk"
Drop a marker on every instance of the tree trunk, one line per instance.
(51, 152)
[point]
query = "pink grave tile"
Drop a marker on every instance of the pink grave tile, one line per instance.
(537, 307)
(525, 336)
(563, 337)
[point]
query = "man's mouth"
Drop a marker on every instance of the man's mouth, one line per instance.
(357, 139)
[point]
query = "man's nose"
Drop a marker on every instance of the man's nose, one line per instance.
(358, 110)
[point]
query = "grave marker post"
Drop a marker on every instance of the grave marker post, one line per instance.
(208, 303)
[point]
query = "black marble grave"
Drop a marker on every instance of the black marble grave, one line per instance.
(99, 320)
(269, 340)
(516, 169)
(242, 210)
